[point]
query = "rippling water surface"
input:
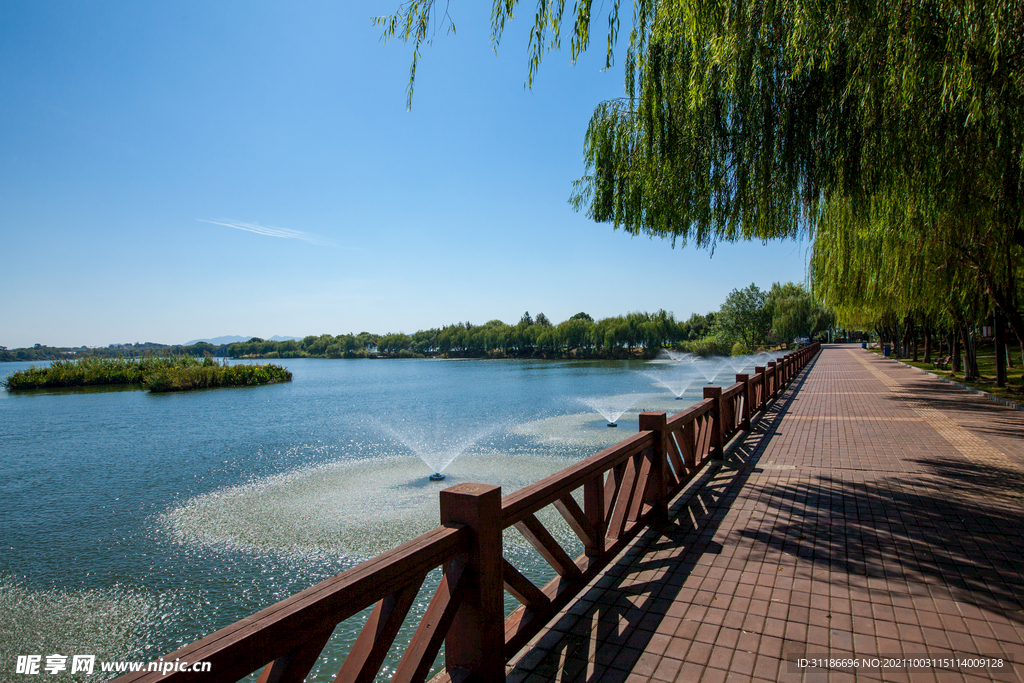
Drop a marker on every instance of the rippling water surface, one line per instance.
(134, 523)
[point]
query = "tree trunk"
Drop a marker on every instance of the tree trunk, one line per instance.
(910, 337)
(1012, 314)
(956, 352)
(1000, 342)
(970, 354)
(927, 344)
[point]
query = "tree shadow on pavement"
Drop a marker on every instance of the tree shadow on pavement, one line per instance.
(956, 530)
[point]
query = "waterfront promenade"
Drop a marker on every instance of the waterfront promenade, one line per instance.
(873, 512)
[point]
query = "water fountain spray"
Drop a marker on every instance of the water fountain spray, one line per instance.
(677, 381)
(435, 450)
(710, 368)
(611, 407)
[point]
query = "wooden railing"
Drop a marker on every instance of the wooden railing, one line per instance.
(606, 500)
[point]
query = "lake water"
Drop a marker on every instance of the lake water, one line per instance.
(133, 523)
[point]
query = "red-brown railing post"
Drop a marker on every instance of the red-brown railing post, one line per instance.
(657, 487)
(717, 428)
(773, 368)
(758, 370)
(745, 381)
(476, 640)
(593, 508)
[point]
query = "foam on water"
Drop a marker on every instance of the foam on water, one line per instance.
(586, 434)
(112, 624)
(356, 508)
(582, 431)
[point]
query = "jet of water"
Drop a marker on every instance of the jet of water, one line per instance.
(436, 449)
(611, 408)
(677, 382)
(739, 363)
(710, 367)
(677, 356)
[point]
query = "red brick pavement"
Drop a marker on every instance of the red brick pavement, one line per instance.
(873, 512)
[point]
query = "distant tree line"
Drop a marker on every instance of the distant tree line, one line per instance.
(532, 337)
(39, 352)
(749, 319)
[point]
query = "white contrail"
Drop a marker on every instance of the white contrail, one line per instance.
(284, 233)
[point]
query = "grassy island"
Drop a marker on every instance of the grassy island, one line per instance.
(156, 373)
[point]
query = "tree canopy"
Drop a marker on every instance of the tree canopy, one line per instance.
(795, 313)
(743, 316)
(744, 118)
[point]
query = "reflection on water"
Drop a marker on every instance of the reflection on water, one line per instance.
(57, 391)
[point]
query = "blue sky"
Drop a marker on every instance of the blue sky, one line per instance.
(177, 170)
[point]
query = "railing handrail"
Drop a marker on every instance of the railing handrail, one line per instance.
(733, 390)
(540, 494)
(274, 631)
(702, 407)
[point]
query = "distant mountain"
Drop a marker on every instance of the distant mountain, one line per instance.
(231, 339)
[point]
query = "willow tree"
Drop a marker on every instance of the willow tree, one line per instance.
(757, 119)
(794, 312)
(880, 278)
(767, 119)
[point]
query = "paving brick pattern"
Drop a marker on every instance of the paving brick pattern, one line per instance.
(873, 512)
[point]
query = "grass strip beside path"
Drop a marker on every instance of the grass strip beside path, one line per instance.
(1014, 389)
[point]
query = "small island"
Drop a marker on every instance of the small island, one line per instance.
(155, 373)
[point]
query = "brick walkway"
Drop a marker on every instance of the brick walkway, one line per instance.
(874, 512)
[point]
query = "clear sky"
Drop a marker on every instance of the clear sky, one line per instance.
(178, 170)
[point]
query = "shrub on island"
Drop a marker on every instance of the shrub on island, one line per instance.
(157, 373)
(216, 375)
